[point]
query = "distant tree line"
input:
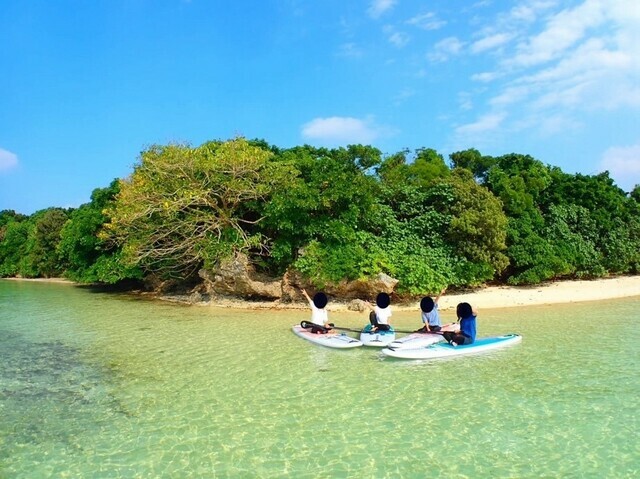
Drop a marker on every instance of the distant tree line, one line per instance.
(333, 215)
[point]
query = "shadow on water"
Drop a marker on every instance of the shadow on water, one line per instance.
(128, 286)
(45, 384)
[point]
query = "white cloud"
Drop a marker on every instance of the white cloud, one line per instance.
(350, 50)
(528, 12)
(549, 124)
(427, 21)
(490, 42)
(485, 76)
(398, 39)
(597, 74)
(510, 96)
(403, 96)
(486, 123)
(379, 7)
(562, 31)
(342, 130)
(445, 49)
(623, 164)
(523, 12)
(590, 59)
(465, 101)
(571, 64)
(8, 160)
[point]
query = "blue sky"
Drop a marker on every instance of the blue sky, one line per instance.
(86, 86)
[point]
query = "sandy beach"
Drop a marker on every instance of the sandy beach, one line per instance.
(485, 298)
(551, 293)
(492, 296)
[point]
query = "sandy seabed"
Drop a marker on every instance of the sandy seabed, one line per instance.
(484, 298)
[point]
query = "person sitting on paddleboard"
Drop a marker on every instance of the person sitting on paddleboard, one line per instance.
(379, 317)
(430, 314)
(467, 332)
(319, 316)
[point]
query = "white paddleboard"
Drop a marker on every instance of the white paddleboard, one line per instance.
(330, 340)
(444, 350)
(378, 339)
(420, 340)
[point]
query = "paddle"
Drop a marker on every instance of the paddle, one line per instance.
(347, 329)
(307, 324)
(425, 332)
(422, 332)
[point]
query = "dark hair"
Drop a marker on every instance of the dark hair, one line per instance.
(383, 300)
(464, 310)
(320, 300)
(426, 304)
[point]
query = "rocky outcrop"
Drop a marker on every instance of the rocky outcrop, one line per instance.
(238, 277)
(368, 289)
(161, 286)
(358, 305)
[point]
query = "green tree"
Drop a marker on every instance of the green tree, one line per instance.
(427, 166)
(574, 235)
(186, 207)
(87, 257)
(473, 161)
(520, 182)
(393, 171)
(9, 216)
(448, 230)
(607, 221)
(478, 229)
(620, 246)
(43, 242)
(14, 235)
(324, 213)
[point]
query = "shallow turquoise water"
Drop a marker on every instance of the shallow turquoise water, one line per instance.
(97, 385)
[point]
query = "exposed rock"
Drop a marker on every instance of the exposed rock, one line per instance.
(293, 281)
(238, 277)
(161, 286)
(196, 297)
(357, 305)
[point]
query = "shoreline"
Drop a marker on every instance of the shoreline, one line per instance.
(558, 292)
(490, 297)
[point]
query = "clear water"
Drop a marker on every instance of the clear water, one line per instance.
(109, 386)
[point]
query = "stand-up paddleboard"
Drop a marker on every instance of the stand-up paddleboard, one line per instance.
(377, 339)
(330, 340)
(445, 350)
(420, 340)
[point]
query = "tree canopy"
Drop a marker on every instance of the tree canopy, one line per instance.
(334, 214)
(185, 207)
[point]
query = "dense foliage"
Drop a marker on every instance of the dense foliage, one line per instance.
(185, 207)
(333, 215)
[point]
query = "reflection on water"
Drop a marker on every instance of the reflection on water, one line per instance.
(95, 385)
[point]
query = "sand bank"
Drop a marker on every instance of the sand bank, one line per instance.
(551, 293)
(492, 296)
